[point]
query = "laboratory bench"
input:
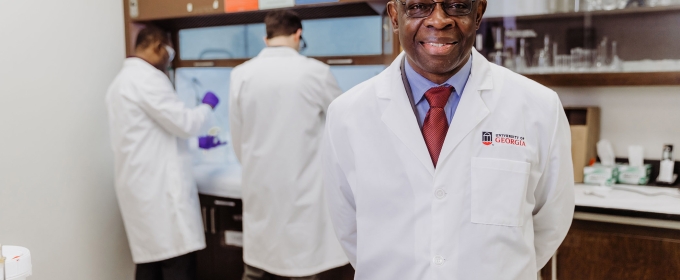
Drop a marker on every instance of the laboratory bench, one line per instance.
(627, 232)
(222, 259)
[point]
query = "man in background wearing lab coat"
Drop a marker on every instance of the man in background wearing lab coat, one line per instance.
(156, 191)
(278, 104)
(445, 166)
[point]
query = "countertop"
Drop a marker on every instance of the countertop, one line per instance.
(635, 203)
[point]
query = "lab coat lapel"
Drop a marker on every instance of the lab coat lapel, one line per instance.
(471, 109)
(398, 114)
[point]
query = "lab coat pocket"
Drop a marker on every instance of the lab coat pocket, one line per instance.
(499, 189)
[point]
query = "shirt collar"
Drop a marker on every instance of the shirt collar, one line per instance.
(419, 84)
(278, 51)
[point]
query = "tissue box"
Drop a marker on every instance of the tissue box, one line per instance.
(600, 175)
(634, 175)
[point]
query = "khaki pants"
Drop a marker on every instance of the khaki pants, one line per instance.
(254, 273)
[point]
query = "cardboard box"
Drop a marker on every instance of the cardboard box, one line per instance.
(585, 133)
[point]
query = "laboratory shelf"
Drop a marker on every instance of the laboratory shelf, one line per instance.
(340, 60)
(607, 79)
(581, 14)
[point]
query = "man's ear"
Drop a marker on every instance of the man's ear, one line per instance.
(394, 15)
(158, 48)
(298, 33)
(481, 9)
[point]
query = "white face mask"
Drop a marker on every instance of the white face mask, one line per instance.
(171, 52)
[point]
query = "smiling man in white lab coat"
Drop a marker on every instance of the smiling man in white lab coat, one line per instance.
(278, 104)
(445, 166)
(156, 190)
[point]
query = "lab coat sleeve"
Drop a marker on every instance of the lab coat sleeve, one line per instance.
(158, 100)
(330, 91)
(339, 197)
(235, 123)
(554, 194)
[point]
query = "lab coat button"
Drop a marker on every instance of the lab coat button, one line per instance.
(440, 194)
(439, 260)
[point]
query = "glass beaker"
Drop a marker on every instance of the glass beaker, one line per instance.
(562, 63)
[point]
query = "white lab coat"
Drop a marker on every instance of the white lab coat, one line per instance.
(156, 191)
(278, 104)
(485, 213)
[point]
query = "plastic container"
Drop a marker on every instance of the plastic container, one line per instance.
(17, 263)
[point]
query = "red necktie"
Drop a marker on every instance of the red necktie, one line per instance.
(436, 124)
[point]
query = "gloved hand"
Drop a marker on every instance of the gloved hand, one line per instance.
(211, 99)
(209, 142)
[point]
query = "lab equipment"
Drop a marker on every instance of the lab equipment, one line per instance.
(211, 99)
(617, 64)
(521, 63)
(602, 54)
(543, 58)
(209, 142)
(217, 171)
(667, 152)
(667, 168)
(15, 263)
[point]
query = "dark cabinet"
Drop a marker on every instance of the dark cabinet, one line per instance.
(223, 257)
(600, 250)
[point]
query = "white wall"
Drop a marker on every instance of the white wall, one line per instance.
(647, 116)
(56, 169)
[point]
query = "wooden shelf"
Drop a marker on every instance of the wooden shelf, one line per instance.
(617, 12)
(178, 18)
(607, 79)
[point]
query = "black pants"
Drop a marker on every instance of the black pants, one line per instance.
(179, 268)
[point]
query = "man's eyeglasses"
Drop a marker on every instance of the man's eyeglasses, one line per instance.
(424, 8)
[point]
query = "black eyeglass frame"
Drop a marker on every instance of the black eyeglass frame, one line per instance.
(472, 3)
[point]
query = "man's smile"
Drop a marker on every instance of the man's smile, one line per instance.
(438, 47)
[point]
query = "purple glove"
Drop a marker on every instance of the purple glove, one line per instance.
(211, 99)
(209, 142)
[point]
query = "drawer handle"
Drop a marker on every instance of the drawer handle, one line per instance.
(225, 203)
(212, 221)
(205, 222)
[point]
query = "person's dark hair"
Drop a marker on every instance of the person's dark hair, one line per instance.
(282, 23)
(150, 35)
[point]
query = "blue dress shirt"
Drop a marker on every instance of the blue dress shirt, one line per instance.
(419, 85)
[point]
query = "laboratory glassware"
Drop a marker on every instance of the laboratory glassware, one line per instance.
(616, 64)
(601, 59)
(562, 63)
(521, 63)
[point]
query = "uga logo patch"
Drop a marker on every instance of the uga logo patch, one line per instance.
(487, 138)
